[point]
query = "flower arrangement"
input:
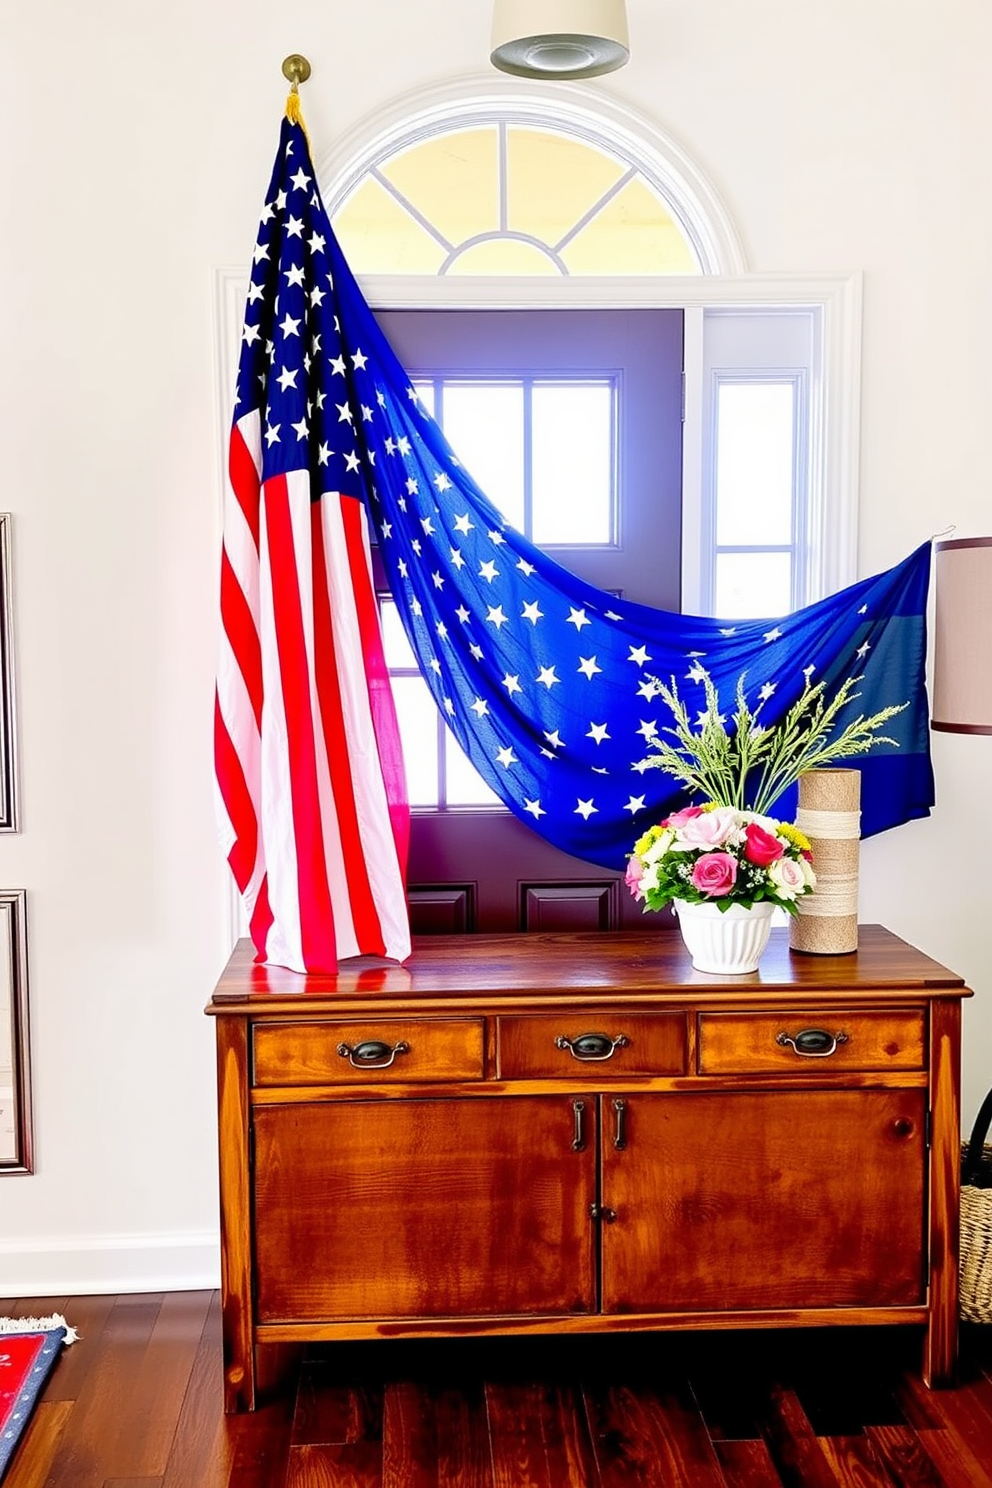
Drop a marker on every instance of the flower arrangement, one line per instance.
(751, 766)
(728, 850)
(714, 854)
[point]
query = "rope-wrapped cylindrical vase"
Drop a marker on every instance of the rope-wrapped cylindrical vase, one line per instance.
(830, 816)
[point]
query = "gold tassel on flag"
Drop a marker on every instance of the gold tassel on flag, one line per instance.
(297, 69)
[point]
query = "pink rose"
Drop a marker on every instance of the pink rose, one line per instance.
(762, 847)
(711, 828)
(714, 874)
(681, 817)
(633, 876)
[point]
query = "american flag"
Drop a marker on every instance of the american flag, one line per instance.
(307, 754)
(545, 681)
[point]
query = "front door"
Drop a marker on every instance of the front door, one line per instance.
(571, 421)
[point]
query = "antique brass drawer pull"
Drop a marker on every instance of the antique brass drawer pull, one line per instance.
(592, 1046)
(372, 1053)
(813, 1043)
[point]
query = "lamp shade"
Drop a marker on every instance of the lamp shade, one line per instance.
(962, 668)
(559, 38)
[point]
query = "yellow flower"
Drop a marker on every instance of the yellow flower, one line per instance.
(792, 834)
(645, 840)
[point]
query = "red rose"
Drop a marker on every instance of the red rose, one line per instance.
(762, 847)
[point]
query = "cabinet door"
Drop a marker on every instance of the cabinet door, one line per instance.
(807, 1198)
(424, 1208)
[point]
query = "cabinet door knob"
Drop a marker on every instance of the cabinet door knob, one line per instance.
(372, 1054)
(592, 1046)
(812, 1043)
(599, 1211)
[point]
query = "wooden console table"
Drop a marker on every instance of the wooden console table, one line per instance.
(579, 1133)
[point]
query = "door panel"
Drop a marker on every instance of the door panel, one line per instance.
(516, 881)
(713, 1210)
(427, 1208)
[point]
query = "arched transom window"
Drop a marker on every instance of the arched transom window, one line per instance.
(504, 198)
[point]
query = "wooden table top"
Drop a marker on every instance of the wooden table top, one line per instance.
(581, 968)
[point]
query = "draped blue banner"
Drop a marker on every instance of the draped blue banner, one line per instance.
(543, 679)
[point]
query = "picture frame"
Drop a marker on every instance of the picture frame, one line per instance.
(8, 730)
(16, 1127)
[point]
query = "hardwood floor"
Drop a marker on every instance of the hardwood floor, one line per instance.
(136, 1403)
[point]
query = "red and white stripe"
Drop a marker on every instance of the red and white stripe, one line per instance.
(309, 768)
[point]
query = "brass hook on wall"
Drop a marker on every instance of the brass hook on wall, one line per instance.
(296, 69)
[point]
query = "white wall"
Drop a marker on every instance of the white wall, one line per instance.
(137, 143)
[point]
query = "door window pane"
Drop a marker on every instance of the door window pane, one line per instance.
(416, 713)
(464, 786)
(754, 462)
(434, 760)
(750, 586)
(572, 462)
(484, 424)
(396, 648)
(425, 392)
(543, 451)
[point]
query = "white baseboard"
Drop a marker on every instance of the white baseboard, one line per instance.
(85, 1265)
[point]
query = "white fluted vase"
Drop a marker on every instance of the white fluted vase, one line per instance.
(725, 942)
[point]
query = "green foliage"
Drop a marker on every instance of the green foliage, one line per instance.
(750, 761)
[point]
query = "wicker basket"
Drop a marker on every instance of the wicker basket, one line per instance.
(976, 1221)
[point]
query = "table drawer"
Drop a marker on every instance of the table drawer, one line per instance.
(366, 1050)
(602, 1045)
(821, 1039)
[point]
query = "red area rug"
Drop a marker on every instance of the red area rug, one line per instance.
(28, 1349)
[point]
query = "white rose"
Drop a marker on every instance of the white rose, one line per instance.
(767, 823)
(808, 873)
(788, 878)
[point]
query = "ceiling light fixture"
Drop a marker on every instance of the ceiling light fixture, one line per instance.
(559, 38)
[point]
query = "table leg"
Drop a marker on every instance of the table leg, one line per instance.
(235, 1211)
(940, 1349)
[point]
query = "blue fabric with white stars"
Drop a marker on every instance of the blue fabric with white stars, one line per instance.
(543, 679)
